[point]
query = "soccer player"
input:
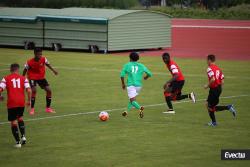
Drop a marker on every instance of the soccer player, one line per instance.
(215, 82)
(35, 69)
(15, 84)
(172, 88)
(134, 71)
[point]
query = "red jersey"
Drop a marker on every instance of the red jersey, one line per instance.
(174, 69)
(36, 69)
(15, 85)
(213, 71)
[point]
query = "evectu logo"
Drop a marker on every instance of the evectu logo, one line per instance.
(235, 154)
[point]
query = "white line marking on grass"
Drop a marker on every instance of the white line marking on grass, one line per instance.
(116, 109)
(215, 27)
(4, 69)
(154, 73)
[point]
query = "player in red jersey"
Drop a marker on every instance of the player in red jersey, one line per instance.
(15, 84)
(173, 87)
(215, 82)
(35, 69)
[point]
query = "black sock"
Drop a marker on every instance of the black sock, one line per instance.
(169, 103)
(33, 99)
(212, 116)
(221, 108)
(182, 97)
(48, 101)
(21, 128)
(15, 133)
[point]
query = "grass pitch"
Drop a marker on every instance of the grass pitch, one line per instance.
(89, 83)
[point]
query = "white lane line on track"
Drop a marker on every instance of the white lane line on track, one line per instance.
(213, 27)
(154, 73)
(116, 109)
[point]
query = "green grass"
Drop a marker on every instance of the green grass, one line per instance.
(239, 12)
(89, 82)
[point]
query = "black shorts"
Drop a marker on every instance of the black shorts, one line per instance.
(14, 113)
(42, 83)
(176, 86)
(214, 96)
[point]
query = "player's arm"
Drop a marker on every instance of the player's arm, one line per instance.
(52, 69)
(174, 78)
(175, 72)
(122, 75)
(148, 73)
(1, 96)
(210, 82)
(26, 67)
(211, 77)
(28, 91)
(2, 87)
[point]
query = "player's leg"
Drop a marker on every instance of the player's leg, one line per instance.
(12, 116)
(129, 107)
(211, 114)
(178, 88)
(168, 98)
(132, 93)
(33, 97)
(45, 85)
(21, 124)
(229, 107)
(212, 101)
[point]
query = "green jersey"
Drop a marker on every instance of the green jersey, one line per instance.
(135, 72)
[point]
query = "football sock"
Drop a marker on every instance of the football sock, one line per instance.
(48, 101)
(33, 99)
(181, 97)
(15, 133)
(21, 127)
(169, 103)
(129, 106)
(221, 108)
(212, 116)
(136, 105)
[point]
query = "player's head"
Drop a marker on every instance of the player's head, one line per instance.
(134, 56)
(14, 67)
(166, 58)
(38, 52)
(210, 59)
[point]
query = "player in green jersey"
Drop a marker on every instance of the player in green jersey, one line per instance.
(134, 72)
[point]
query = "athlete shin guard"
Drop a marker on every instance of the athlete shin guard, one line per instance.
(15, 133)
(21, 127)
(212, 116)
(169, 103)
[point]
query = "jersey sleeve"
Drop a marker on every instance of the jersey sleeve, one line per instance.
(26, 65)
(124, 71)
(174, 69)
(26, 83)
(46, 61)
(3, 84)
(210, 72)
(146, 70)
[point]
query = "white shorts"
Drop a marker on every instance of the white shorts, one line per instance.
(133, 91)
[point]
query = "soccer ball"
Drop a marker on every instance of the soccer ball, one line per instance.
(103, 116)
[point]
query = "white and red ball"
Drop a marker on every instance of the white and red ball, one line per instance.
(103, 116)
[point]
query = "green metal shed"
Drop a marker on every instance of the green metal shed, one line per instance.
(83, 28)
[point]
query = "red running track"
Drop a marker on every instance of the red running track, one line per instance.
(197, 38)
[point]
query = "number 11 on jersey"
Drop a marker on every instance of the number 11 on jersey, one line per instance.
(16, 83)
(134, 69)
